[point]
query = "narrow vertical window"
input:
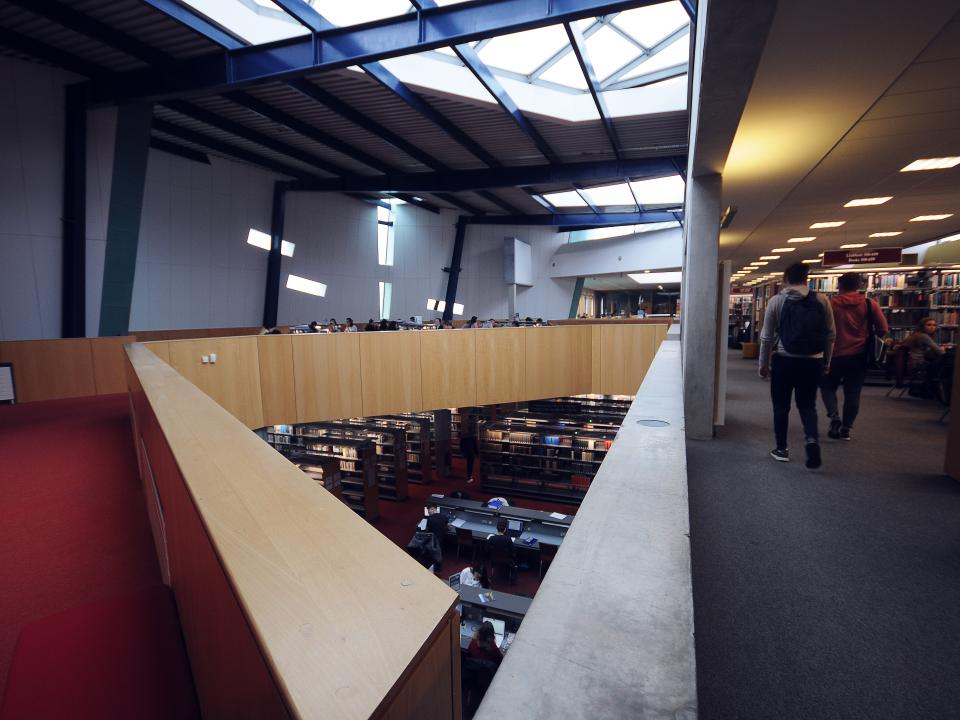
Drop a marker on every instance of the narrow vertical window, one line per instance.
(386, 292)
(385, 218)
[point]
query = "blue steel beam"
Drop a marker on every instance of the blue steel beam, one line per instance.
(307, 130)
(93, 28)
(305, 15)
(342, 47)
(392, 83)
(191, 136)
(198, 23)
(457, 202)
(469, 57)
(499, 202)
(538, 198)
(344, 110)
(242, 131)
(179, 150)
(579, 45)
(691, 7)
(577, 221)
(502, 177)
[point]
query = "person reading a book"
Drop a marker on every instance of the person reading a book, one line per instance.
(483, 644)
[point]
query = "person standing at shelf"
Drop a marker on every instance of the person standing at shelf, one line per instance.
(468, 444)
(857, 320)
(796, 344)
(350, 327)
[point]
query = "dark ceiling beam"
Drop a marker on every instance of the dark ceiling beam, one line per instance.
(540, 199)
(242, 131)
(579, 45)
(179, 150)
(93, 28)
(576, 221)
(192, 136)
(348, 112)
(199, 24)
(458, 203)
(417, 202)
(307, 130)
(460, 180)
(407, 34)
(49, 54)
(499, 202)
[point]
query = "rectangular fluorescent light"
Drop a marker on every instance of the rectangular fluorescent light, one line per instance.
(301, 284)
(887, 234)
(926, 218)
(810, 262)
(863, 202)
(769, 257)
(941, 163)
(828, 224)
(656, 278)
(758, 263)
(458, 308)
(802, 239)
(851, 246)
(262, 240)
(431, 304)
(783, 250)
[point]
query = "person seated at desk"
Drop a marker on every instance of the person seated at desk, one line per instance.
(501, 551)
(436, 523)
(472, 576)
(925, 353)
(483, 644)
(314, 326)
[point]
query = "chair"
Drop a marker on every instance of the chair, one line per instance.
(502, 558)
(905, 372)
(465, 540)
(547, 554)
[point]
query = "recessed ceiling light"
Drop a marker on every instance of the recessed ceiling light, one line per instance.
(925, 218)
(887, 234)
(829, 224)
(863, 202)
(811, 262)
(769, 257)
(851, 246)
(819, 254)
(942, 163)
(783, 250)
(802, 239)
(757, 263)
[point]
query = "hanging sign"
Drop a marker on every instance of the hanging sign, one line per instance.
(863, 256)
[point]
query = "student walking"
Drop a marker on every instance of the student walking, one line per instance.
(796, 344)
(858, 321)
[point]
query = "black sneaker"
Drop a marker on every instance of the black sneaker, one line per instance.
(834, 431)
(845, 434)
(780, 455)
(813, 455)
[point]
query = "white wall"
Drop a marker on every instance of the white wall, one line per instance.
(656, 250)
(194, 266)
(31, 199)
(336, 244)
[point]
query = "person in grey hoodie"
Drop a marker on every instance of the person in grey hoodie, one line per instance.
(796, 344)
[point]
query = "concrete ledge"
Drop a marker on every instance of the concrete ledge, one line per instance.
(610, 632)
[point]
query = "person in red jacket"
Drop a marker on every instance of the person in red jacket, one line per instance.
(853, 315)
(483, 645)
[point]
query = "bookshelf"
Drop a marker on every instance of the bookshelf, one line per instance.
(588, 405)
(740, 318)
(417, 443)
(325, 471)
(357, 458)
(541, 460)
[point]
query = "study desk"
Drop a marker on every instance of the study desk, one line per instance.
(503, 606)
(538, 526)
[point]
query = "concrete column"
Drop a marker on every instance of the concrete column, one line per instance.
(700, 310)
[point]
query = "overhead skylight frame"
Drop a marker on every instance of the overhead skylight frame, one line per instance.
(252, 21)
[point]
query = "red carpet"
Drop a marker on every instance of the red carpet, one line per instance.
(73, 524)
(398, 521)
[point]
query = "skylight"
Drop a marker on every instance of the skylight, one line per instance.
(343, 12)
(570, 198)
(649, 25)
(677, 53)
(256, 22)
(607, 195)
(566, 72)
(659, 191)
(524, 52)
(609, 51)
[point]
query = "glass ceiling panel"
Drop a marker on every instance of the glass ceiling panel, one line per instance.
(524, 52)
(566, 72)
(607, 195)
(650, 24)
(256, 21)
(347, 12)
(659, 191)
(570, 198)
(676, 54)
(609, 51)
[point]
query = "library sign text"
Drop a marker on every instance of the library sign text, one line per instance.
(865, 256)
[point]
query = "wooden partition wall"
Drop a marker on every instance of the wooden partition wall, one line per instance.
(291, 605)
(303, 378)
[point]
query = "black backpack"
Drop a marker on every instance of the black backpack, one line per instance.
(803, 325)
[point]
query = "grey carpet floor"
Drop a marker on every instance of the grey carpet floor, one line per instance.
(832, 593)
